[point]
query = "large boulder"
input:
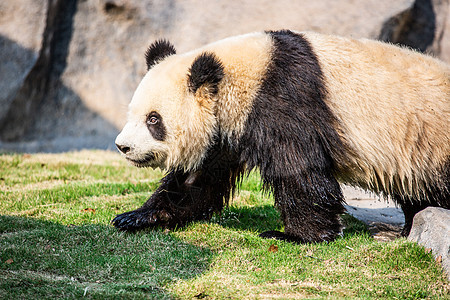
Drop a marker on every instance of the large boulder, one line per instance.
(431, 229)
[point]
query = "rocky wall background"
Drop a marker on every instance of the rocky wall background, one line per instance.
(68, 68)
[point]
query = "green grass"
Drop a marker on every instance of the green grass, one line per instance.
(56, 241)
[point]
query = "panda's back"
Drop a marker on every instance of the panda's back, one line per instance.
(393, 105)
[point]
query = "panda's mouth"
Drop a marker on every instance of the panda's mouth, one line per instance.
(147, 161)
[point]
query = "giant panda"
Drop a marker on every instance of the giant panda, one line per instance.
(308, 110)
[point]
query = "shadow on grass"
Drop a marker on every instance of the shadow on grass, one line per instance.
(257, 219)
(263, 218)
(42, 259)
(353, 226)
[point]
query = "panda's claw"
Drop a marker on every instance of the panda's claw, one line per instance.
(134, 220)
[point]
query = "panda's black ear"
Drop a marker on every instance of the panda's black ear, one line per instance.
(158, 51)
(206, 72)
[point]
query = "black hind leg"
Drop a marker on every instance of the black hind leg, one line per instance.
(436, 194)
(410, 208)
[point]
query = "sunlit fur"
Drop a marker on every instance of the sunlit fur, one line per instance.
(394, 109)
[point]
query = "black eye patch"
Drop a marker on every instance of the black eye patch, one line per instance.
(156, 126)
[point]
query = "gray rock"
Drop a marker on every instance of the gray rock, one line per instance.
(43, 77)
(431, 229)
(22, 25)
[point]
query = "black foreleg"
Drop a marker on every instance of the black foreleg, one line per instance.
(185, 197)
(170, 205)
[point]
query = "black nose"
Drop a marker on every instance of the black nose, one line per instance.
(123, 149)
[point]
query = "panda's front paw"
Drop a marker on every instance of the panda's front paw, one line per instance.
(140, 219)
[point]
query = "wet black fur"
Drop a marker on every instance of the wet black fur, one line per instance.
(158, 130)
(206, 69)
(157, 51)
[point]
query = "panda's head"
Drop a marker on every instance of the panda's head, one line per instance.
(171, 118)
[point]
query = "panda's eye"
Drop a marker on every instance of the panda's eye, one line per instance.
(152, 120)
(155, 125)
